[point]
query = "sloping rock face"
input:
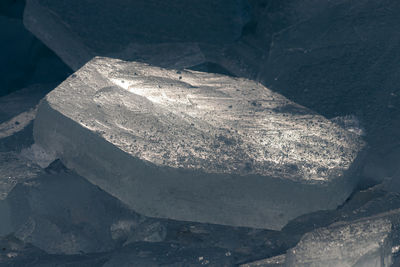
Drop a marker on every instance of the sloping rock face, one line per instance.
(343, 60)
(196, 146)
(334, 55)
(139, 31)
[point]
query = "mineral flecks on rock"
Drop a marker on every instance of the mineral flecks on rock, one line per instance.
(362, 243)
(195, 146)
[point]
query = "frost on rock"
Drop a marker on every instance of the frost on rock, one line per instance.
(195, 146)
(152, 30)
(365, 243)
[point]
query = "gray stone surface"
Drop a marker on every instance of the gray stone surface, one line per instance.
(341, 60)
(196, 146)
(364, 243)
(60, 212)
(13, 170)
(139, 31)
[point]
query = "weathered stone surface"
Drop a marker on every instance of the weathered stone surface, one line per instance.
(357, 244)
(344, 60)
(14, 170)
(195, 146)
(139, 31)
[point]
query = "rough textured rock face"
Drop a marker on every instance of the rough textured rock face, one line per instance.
(363, 243)
(343, 60)
(195, 146)
(14, 170)
(134, 31)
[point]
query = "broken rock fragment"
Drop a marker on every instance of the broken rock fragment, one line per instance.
(361, 243)
(195, 146)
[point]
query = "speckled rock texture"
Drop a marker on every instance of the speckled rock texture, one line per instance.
(197, 146)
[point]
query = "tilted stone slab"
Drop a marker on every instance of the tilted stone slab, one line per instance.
(195, 146)
(153, 31)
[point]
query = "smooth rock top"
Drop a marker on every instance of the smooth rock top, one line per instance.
(200, 121)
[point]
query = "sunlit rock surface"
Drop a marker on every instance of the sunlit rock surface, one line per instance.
(359, 244)
(134, 31)
(340, 60)
(196, 146)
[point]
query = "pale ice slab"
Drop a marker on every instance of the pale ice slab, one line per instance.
(364, 243)
(155, 31)
(195, 146)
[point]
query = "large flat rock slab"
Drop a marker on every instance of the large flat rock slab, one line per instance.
(195, 146)
(154, 31)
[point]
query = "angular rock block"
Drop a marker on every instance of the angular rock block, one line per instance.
(348, 63)
(337, 62)
(365, 243)
(134, 31)
(195, 146)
